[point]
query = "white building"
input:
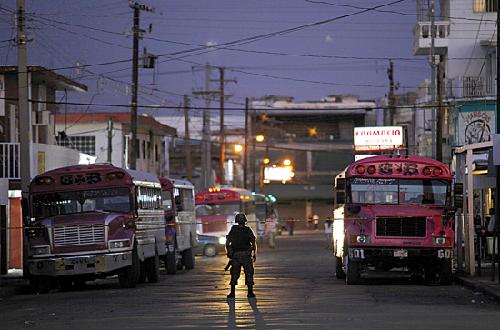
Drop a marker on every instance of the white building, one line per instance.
(42, 87)
(107, 136)
(465, 45)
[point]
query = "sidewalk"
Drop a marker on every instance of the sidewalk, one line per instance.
(481, 283)
(12, 283)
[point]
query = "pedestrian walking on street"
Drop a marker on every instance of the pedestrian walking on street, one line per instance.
(291, 224)
(242, 250)
(270, 230)
(328, 232)
(316, 221)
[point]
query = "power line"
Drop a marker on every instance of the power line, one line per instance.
(397, 12)
(109, 43)
(118, 105)
(260, 37)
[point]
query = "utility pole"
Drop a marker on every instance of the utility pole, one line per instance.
(25, 128)
(439, 113)
(221, 132)
(207, 145)
(206, 152)
(222, 82)
(254, 156)
(110, 140)
(245, 155)
(137, 7)
(433, 78)
(187, 140)
(497, 190)
(389, 112)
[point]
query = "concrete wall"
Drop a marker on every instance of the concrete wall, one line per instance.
(15, 234)
(47, 157)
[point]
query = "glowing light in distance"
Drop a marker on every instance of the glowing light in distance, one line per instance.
(238, 148)
(260, 138)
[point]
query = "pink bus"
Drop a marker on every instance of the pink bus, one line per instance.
(393, 216)
(92, 221)
(215, 211)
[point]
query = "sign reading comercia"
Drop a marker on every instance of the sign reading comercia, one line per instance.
(378, 138)
(278, 173)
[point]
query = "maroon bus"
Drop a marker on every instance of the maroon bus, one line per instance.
(92, 221)
(180, 233)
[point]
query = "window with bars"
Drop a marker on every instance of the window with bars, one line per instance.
(485, 6)
(84, 144)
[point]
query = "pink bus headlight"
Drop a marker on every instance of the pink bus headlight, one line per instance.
(362, 239)
(440, 240)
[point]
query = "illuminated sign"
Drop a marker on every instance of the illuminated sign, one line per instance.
(378, 138)
(278, 173)
(359, 157)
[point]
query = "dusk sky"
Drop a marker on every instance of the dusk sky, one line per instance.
(349, 55)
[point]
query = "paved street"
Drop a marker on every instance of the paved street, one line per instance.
(295, 288)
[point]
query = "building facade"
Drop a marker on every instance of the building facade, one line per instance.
(465, 49)
(107, 137)
(317, 139)
(45, 154)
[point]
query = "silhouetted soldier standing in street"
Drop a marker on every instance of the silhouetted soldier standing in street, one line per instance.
(242, 250)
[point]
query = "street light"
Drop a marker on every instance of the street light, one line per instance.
(260, 138)
(287, 162)
(238, 148)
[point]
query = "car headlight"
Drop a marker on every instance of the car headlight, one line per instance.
(40, 250)
(222, 240)
(118, 244)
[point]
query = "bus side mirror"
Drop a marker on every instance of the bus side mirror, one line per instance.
(458, 195)
(340, 197)
(340, 184)
(340, 191)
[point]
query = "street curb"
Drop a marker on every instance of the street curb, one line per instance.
(487, 290)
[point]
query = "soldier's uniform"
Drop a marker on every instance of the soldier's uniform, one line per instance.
(241, 249)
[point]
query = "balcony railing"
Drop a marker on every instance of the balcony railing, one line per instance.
(9, 161)
(471, 86)
(422, 37)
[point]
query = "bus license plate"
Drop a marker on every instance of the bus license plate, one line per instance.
(401, 253)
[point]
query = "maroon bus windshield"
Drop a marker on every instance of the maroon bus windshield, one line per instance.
(398, 191)
(71, 202)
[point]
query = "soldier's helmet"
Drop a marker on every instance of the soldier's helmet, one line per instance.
(240, 218)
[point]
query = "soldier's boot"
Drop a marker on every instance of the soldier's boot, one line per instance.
(250, 292)
(232, 293)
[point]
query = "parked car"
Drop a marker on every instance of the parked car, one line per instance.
(210, 246)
